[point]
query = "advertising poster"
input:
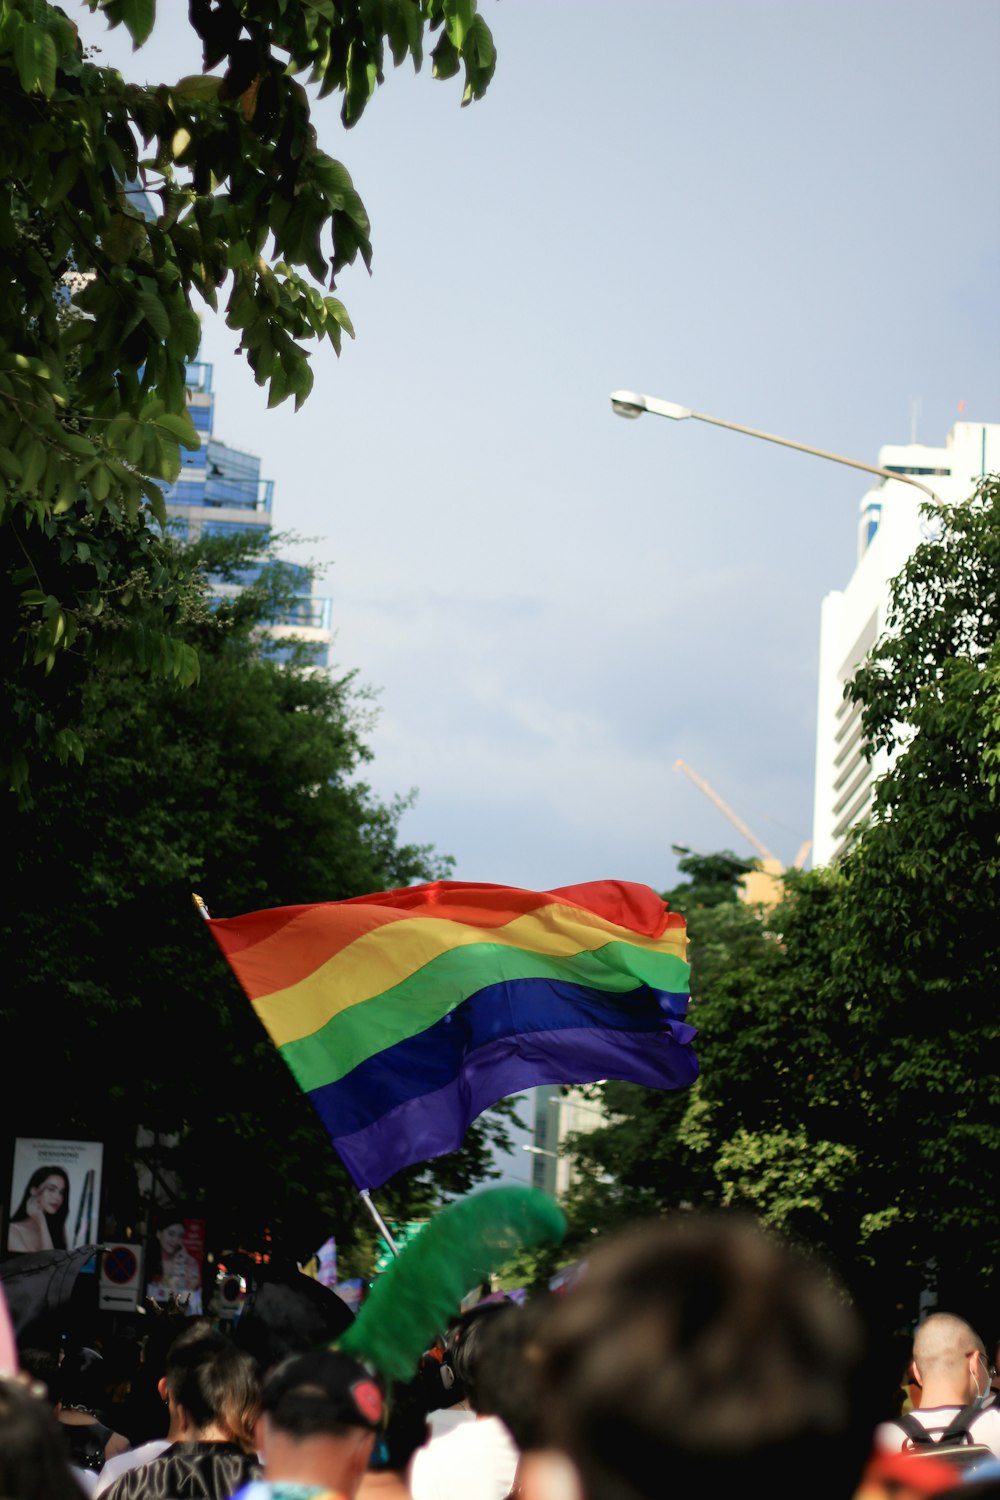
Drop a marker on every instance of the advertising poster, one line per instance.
(55, 1197)
(176, 1263)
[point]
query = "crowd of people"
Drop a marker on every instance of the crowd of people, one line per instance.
(692, 1353)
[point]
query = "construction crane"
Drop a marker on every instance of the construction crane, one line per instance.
(772, 865)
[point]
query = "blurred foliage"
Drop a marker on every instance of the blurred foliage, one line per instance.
(848, 1038)
(127, 208)
(247, 789)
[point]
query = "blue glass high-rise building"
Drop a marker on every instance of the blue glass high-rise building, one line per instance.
(220, 492)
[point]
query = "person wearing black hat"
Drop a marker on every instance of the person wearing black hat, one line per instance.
(286, 1313)
(79, 1392)
(320, 1415)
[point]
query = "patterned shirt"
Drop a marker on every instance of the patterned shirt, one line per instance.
(188, 1471)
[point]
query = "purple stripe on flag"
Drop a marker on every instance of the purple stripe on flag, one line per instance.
(435, 1123)
(430, 1059)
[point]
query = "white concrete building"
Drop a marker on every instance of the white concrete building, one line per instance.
(890, 527)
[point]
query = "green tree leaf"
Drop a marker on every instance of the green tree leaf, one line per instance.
(849, 1045)
(78, 449)
(243, 786)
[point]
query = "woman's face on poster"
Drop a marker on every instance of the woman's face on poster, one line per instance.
(51, 1193)
(171, 1238)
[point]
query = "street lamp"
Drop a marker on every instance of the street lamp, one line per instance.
(540, 1151)
(631, 404)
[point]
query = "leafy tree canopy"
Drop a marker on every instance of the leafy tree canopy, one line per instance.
(247, 789)
(849, 1039)
(919, 932)
(636, 1164)
(127, 208)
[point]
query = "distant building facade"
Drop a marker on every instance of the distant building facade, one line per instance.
(890, 527)
(559, 1112)
(220, 492)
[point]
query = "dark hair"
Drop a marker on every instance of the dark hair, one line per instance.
(56, 1221)
(507, 1376)
(463, 1346)
(43, 1366)
(81, 1380)
(214, 1382)
(703, 1348)
(32, 1453)
(323, 1391)
(142, 1414)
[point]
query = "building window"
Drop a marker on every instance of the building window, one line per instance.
(914, 469)
(872, 518)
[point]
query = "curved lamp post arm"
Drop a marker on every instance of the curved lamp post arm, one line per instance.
(631, 404)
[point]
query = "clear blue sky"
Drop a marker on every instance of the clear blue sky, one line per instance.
(777, 212)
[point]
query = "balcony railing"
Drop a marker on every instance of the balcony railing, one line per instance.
(309, 611)
(218, 491)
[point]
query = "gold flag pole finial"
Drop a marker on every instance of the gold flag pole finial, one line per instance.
(199, 903)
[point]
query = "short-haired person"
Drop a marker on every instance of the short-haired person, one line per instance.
(699, 1354)
(319, 1417)
(508, 1381)
(39, 1221)
(149, 1448)
(213, 1392)
(478, 1459)
(952, 1369)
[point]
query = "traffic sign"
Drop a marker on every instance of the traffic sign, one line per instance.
(121, 1277)
(230, 1294)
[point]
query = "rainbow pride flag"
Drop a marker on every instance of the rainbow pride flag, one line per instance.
(403, 1015)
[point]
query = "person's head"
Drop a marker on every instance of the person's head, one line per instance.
(286, 1313)
(320, 1415)
(32, 1452)
(42, 1366)
(463, 1347)
(950, 1361)
(507, 1381)
(209, 1384)
(701, 1350)
(49, 1188)
(81, 1380)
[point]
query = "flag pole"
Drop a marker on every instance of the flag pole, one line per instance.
(382, 1225)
